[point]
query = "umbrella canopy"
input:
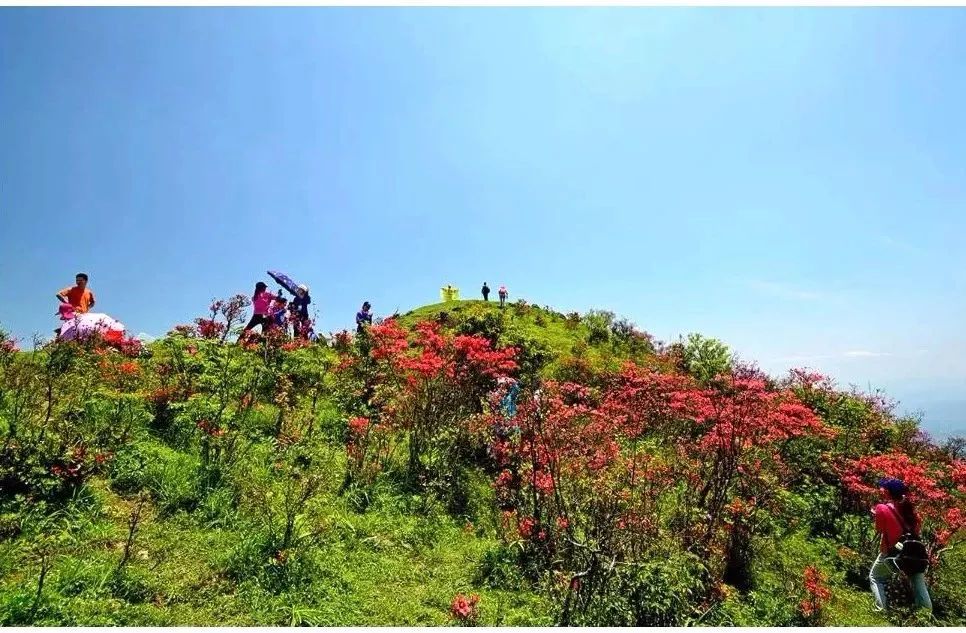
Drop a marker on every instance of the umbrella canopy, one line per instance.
(83, 325)
(283, 280)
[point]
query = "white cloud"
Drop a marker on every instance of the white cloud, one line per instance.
(144, 336)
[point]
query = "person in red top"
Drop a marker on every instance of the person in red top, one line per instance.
(893, 517)
(80, 296)
(261, 304)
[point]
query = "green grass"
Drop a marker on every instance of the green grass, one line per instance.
(547, 328)
(389, 565)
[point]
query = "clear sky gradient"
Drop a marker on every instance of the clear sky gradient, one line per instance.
(790, 181)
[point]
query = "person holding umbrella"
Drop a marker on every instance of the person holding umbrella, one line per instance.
(300, 304)
(300, 309)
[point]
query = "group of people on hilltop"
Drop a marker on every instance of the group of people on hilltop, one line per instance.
(502, 293)
(275, 311)
(270, 311)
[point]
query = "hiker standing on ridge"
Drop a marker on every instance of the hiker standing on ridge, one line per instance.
(300, 306)
(79, 296)
(895, 518)
(503, 295)
(486, 292)
(261, 301)
(363, 317)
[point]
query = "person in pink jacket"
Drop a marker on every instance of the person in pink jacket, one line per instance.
(261, 302)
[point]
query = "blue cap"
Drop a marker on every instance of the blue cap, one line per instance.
(896, 487)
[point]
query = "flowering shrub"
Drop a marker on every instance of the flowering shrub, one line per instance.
(368, 449)
(427, 387)
(464, 610)
(816, 595)
(935, 487)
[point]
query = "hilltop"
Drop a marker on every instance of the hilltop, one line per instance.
(380, 480)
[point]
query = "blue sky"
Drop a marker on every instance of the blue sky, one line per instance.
(790, 181)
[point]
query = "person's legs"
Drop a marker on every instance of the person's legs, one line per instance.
(879, 576)
(255, 320)
(920, 591)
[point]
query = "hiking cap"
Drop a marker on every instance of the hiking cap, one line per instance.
(896, 487)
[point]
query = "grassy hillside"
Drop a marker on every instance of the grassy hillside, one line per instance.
(200, 482)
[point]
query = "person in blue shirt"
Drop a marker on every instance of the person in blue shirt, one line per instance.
(279, 307)
(363, 317)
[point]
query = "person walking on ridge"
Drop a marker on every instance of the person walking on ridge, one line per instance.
(486, 292)
(893, 518)
(503, 295)
(80, 297)
(363, 317)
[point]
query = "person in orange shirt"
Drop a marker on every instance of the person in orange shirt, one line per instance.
(80, 296)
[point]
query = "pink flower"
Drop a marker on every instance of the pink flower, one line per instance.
(463, 608)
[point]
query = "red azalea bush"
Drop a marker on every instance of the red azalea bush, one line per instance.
(598, 476)
(937, 489)
(426, 386)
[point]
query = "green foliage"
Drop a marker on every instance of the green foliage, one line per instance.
(705, 358)
(171, 477)
(598, 323)
(662, 591)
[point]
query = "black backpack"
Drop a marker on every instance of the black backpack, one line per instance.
(909, 552)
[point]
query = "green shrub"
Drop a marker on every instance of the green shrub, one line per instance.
(705, 358)
(499, 568)
(170, 476)
(663, 591)
(598, 323)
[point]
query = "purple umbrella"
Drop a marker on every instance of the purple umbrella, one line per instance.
(283, 280)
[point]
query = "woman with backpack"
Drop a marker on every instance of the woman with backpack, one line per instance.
(900, 548)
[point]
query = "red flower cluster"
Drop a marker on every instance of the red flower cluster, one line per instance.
(816, 593)
(464, 608)
(342, 340)
(358, 426)
(129, 368)
(209, 328)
